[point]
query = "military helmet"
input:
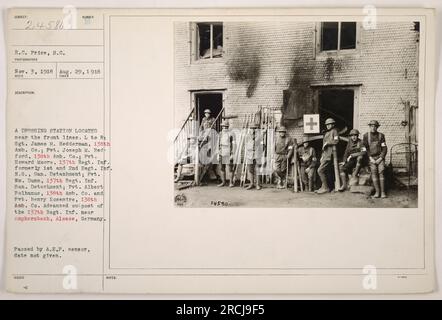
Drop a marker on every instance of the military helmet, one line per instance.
(374, 123)
(207, 111)
(330, 121)
(281, 129)
(354, 132)
(225, 123)
(253, 125)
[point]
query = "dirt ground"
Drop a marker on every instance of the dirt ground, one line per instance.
(213, 196)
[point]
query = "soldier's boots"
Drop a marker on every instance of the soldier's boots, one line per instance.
(344, 182)
(356, 171)
(232, 181)
(382, 185)
(223, 180)
(310, 183)
(324, 187)
(278, 182)
(258, 186)
(251, 185)
(376, 186)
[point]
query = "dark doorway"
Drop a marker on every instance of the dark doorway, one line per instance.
(213, 102)
(337, 104)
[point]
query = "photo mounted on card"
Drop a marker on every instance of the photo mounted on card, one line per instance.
(253, 151)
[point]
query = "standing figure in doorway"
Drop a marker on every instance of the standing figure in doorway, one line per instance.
(207, 121)
(207, 144)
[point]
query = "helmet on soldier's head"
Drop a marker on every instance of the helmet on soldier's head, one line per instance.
(354, 132)
(225, 124)
(330, 121)
(374, 123)
(207, 111)
(281, 129)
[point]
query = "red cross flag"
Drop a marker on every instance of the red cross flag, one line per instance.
(311, 123)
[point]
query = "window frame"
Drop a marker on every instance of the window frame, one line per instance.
(195, 41)
(326, 53)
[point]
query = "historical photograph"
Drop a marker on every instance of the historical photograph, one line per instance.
(296, 114)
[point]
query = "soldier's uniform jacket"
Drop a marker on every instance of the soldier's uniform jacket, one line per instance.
(375, 144)
(307, 157)
(226, 143)
(331, 137)
(354, 147)
(283, 145)
(206, 123)
(253, 146)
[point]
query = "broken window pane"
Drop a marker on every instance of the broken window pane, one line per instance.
(217, 40)
(348, 35)
(329, 36)
(204, 40)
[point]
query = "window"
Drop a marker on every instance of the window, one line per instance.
(209, 40)
(337, 36)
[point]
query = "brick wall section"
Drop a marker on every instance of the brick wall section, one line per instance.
(282, 55)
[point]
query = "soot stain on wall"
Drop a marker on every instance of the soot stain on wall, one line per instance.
(245, 68)
(244, 65)
(330, 66)
(301, 76)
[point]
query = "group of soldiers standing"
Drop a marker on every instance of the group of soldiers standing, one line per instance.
(371, 150)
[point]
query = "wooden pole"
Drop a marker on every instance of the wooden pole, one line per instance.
(336, 167)
(286, 173)
(300, 178)
(196, 167)
(295, 170)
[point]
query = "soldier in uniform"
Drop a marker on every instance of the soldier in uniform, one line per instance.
(207, 121)
(207, 143)
(226, 152)
(283, 152)
(252, 156)
(308, 161)
(331, 139)
(376, 146)
(353, 157)
(188, 156)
